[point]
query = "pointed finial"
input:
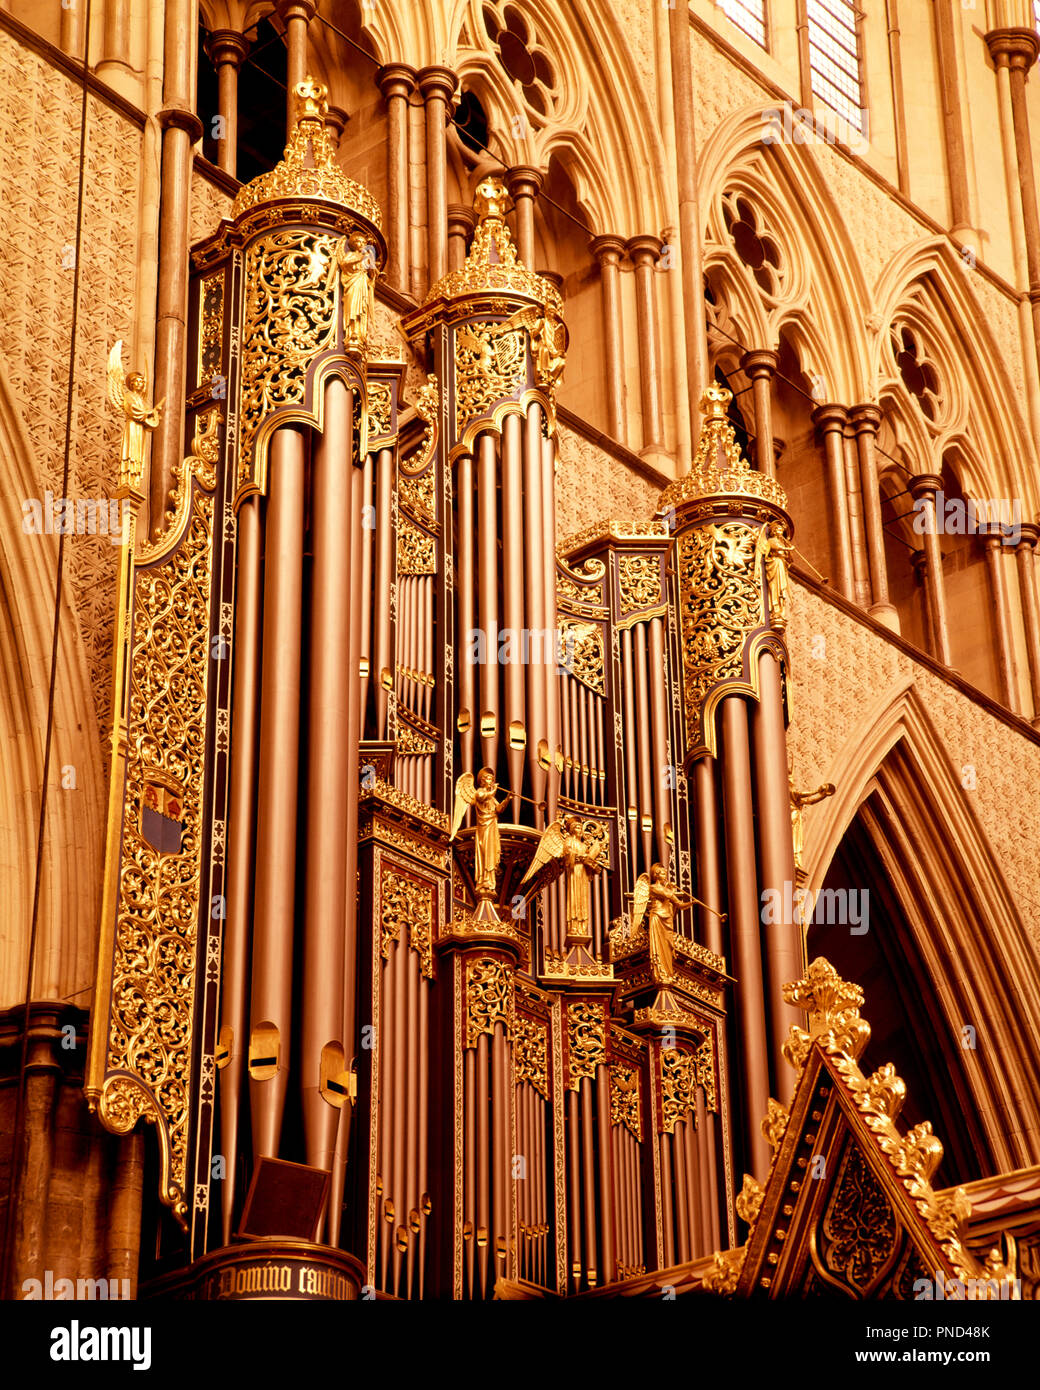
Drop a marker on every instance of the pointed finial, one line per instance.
(715, 402)
(312, 102)
(489, 200)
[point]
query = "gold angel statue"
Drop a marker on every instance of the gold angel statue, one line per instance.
(481, 795)
(799, 800)
(356, 269)
(548, 343)
(774, 547)
(578, 856)
(126, 392)
(659, 900)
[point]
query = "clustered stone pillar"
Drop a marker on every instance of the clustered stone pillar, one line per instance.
(994, 548)
(1024, 553)
(760, 366)
(1016, 50)
(865, 421)
(437, 86)
(226, 49)
(524, 184)
(923, 489)
(608, 250)
(645, 251)
(397, 82)
(831, 420)
(689, 211)
(296, 15)
(180, 129)
(461, 224)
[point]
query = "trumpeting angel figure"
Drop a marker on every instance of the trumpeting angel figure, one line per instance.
(579, 857)
(660, 901)
(126, 391)
(482, 796)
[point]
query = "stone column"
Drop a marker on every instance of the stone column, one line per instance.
(296, 15)
(830, 420)
(923, 489)
(524, 184)
(114, 65)
(397, 82)
(953, 108)
(226, 49)
(1024, 552)
(1017, 49)
(759, 365)
(994, 548)
(919, 565)
(461, 222)
(608, 250)
(180, 130)
(865, 421)
(690, 229)
(645, 251)
(336, 123)
(437, 86)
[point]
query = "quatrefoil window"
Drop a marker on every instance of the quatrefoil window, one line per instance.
(756, 248)
(521, 55)
(917, 370)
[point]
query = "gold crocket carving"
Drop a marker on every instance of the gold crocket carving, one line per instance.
(775, 1124)
(481, 795)
(578, 855)
(126, 392)
(833, 1008)
(749, 1199)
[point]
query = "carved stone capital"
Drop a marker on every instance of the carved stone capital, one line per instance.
(865, 419)
(226, 47)
(608, 249)
(524, 181)
(461, 220)
(437, 82)
(296, 9)
(396, 80)
(830, 417)
(1029, 534)
(925, 485)
(1013, 48)
(644, 249)
(180, 118)
(760, 362)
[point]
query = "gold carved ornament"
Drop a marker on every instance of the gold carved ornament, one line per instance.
(490, 367)
(404, 905)
(581, 653)
(290, 316)
(427, 406)
(380, 410)
(142, 1031)
(718, 466)
(858, 1229)
(639, 579)
(417, 496)
(308, 167)
(489, 998)
(416, 551)
(530, 1054)
(678, 1087)
(625, 1108)
(586, 1041)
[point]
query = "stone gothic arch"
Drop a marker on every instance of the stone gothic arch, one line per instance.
(896, 776)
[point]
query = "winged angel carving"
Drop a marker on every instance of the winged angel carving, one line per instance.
(481, 795)
(567, 848)
(659, 900)
(126, 392)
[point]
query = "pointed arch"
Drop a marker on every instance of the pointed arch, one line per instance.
(893, 771)
(70, 896)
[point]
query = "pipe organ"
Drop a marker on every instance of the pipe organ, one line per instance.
(434, 836)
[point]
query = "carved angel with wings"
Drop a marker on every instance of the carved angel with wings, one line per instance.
(578, 856)
(126, 392)
(548, 343)
(659, 900)
(487, 842)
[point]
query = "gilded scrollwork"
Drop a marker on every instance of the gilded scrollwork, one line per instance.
(416, 551)
(380, 409)
(678, 1086)
(639, 579)
(490, 366)
(833, 1008)
(858, 1229)
(625, 1107)
(290, 316)
(530, 1054)
(750, 1199)
(417, 495)
(151, 1003)
(406, 906)
(489, 998)
(586, 1041)
(581, 647)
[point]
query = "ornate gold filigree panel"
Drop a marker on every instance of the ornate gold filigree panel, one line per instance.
(405, 905)
(290, 316)
(489, 997)
(586, 1041)
(416, 551)
(380, 409)
(530, 1054)
(490, 366)
(858, 1232)
(142, 1046)
(581, 647)
(639, 580)
(625, 1107)
(678, 1086)
(418, 496)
